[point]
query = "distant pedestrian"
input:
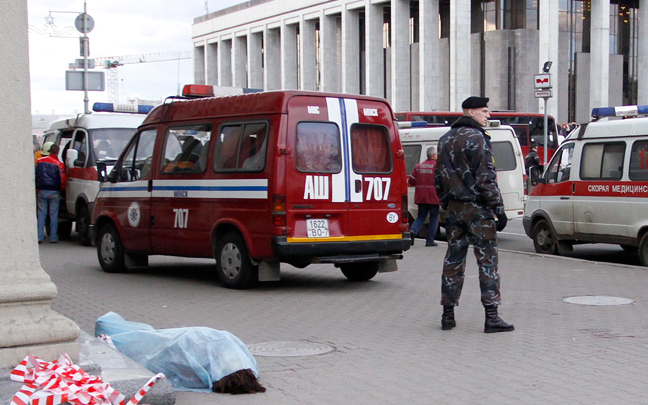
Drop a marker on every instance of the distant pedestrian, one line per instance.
(465, 183)
(50, 180)
(532, 159)
(425, 197)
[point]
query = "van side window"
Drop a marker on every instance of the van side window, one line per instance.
(639, 161)
(560, 169)
(318, 147)
(241, 147)
(602, 161)
(186, 149)
(136, 164)
(371, 148)
(412, 156)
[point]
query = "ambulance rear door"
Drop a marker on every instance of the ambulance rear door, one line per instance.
(344, 184)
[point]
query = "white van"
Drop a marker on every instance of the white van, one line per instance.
(509, 162)
(595, 188)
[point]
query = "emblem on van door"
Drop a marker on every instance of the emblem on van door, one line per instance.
(313, 109)
(392, 217)
(133, 214)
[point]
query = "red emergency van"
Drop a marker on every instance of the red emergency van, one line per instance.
(258, 179)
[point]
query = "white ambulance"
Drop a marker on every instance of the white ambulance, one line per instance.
(595, 188)
(509, 162)
(90, 142)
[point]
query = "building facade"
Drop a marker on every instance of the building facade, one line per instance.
(431, 54)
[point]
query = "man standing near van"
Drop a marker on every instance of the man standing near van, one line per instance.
(425, 197)
(50, 180)
(466, 185)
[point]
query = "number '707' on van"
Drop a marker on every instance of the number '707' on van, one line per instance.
(258, 179)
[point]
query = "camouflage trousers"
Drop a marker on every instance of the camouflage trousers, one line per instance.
(468, 223)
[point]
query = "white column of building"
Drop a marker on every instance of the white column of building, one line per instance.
(350, 51)
(400, 56)
(239, 54)
(330, 65)
(460, 53)
(374, 51)
(200, 62)
(429, 93)
(225, 62)
(642, 53)
(289, 76)
(548, 50)
(27, 323)
(271, 57)
(307, 55)
(600, 54)
(255, 63)
(211, 62)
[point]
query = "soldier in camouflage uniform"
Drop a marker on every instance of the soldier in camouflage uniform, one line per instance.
(465, 183)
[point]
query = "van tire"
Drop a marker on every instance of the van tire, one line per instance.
(544, 240)
(110, 250)
(83, 226)
(233, 265)
(643, 250)
(362, 271)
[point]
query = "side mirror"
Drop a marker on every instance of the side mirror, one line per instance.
(535, 174)
(71, 156)
(101, 172)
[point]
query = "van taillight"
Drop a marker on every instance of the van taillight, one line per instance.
(279, 210)
(404, 214)
(526, 184)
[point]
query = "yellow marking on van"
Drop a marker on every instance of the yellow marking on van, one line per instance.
(345, 238)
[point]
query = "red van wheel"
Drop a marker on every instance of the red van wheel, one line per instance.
(362, 271)
(643, 250)
(233, 265)
(544, 240)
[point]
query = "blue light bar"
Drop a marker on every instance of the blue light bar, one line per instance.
(127, 108)
(622, 111)
(411, 124)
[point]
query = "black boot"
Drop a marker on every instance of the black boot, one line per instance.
(447, 319)
(493, 322)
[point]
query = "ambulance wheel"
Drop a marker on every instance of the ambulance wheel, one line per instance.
(83, 226)
(643, 250)
(544, 240)
(110, 250)
(362, 271)
(233, 265)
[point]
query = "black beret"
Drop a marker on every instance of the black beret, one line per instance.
(475, 102)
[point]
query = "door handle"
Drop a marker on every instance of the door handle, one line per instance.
(358, 186)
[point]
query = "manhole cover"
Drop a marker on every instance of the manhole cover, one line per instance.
(598, 300)
(289, 349)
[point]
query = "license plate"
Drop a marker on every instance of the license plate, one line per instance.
(317, 228)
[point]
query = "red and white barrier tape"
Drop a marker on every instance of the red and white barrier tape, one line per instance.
(52, 383)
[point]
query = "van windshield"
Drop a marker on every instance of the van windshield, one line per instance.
(108, 143)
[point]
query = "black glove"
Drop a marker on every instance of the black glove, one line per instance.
(502, 219)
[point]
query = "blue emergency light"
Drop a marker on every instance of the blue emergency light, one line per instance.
(411, 124)
(621, 111)
(127, 108)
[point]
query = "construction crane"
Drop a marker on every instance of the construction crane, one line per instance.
(112, 62)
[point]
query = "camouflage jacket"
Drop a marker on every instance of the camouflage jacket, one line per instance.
(465, 166)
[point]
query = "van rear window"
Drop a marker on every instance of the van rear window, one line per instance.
(371, 148)
(318, 147)
(504, 156)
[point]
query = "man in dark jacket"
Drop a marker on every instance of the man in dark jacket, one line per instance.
(425, 197)
(50, 180)
(466, 185)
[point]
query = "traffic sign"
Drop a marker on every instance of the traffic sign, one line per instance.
(89, 23)
(543, 94)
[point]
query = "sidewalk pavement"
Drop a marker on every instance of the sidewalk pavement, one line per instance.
(388, 344)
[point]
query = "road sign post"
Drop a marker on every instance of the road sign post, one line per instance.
(542, 87)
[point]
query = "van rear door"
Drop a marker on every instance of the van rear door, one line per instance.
(344, 183)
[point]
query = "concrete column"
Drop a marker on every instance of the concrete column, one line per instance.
(350, 51)
(225, 63)
(199, 64)
(27, 323)
(429, 70)
(211, 63)
(548, 50)
(255, 62)
(400, 55)
(289, 75)
(330, 64)
(239, 54)
(272, 56)
(642, 54)
(460, 53)
(374, 54)
(307, 55)
(600, 54)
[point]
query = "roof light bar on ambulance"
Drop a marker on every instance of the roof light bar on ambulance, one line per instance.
(197, 90)
(127, 108)
(621, 111)
(411, 124)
